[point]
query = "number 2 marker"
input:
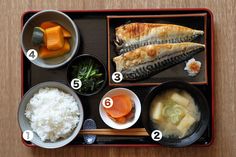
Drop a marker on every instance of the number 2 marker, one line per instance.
(156, 135)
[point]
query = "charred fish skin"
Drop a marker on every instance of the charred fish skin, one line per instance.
(135, 35)
(126, 47)
(162, 57)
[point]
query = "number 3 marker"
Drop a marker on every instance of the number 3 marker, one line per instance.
(107, 102)
(117, 77)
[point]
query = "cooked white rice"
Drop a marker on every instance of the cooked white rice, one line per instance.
(53, 114)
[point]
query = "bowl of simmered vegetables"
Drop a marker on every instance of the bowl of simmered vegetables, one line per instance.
(90, 72)
(50, 39)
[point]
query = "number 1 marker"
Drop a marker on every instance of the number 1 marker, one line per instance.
(28, 135)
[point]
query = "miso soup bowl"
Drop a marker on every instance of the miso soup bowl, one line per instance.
(198, 129)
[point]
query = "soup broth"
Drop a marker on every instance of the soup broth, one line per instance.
(174, 113)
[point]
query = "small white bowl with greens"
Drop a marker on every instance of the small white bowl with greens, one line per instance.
(90, 71)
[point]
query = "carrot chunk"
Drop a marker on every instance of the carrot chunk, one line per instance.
(121, 120)
(49, 24)
(122, 105)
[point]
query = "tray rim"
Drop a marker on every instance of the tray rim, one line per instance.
(138, 10)
(204, 15)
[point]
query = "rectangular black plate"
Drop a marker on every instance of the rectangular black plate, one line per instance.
(177, 72)
(92, 26)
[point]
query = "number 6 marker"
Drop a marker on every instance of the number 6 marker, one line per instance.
(107, 102)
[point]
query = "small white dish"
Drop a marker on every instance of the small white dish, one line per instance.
(137, 112)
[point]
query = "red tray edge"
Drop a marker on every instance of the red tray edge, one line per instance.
(137, 10)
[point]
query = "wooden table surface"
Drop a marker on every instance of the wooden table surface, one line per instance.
(225, 81)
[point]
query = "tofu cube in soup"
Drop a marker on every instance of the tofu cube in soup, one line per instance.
(157, 111)
(185, 124)
(180, 99)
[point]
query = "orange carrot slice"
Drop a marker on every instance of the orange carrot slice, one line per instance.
(121, 120)
(122, 105)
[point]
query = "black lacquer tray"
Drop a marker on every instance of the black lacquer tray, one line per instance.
(92, 25)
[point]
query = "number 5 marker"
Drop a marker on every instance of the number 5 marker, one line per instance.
(76, 84)
(28, 135)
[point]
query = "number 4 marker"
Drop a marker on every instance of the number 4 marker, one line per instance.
(32, 54)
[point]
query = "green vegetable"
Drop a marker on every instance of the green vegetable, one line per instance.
(38, 36)
(173, 112)
(89, 72)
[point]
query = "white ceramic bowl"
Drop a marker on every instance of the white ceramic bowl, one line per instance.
(25, 124)
(107, 120)
(54, 16)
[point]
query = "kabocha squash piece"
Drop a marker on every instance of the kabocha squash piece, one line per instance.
(38, 36)
(49, 24)
(44, 53)
(55, 38)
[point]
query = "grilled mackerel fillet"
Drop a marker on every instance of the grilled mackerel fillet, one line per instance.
(135, 35)
(152, 59)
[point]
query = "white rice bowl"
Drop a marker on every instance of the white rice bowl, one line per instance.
(52, 113)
